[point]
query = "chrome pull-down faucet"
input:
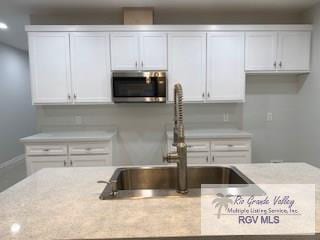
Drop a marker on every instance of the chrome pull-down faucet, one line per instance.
(180, 156)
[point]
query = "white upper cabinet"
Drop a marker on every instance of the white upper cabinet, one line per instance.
(50, 67)
(294, 51)
(139, 51)
(90, 65)
(284, 51)
(187, 64)
(261, 51)
(124, 51)
(73, 65)
(153, 51)
(225, 67)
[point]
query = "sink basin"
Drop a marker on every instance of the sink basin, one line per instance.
(161, 182)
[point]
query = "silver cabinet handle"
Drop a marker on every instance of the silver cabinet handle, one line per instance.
(212, 158)
(75, 96)
(69, 96)
(141, 64)
(202, 95)
(207, 159)
(136, 64)
(275, 64)
(208, 95)
(71, 163)
(280, 64)
(64, 163)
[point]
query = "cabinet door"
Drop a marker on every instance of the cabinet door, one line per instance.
(187, 64)
(91, 161)
(198, 157)
(124, 51)
(261, 51)
(231, 157)
(153, 51)
(35, 164)
(294, 51)
(50, 67)
(225, 67)
(90, 65)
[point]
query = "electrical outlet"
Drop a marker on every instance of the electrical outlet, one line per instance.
(269, 116)
(78, 120)
(226, 117)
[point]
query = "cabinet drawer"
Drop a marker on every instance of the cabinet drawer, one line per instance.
(194, 146)
(91, 161)
(226, 146)
(90, 148)
(46, 150)
(198, 146)
(231, 157)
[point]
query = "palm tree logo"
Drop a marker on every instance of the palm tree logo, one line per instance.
(222, 201)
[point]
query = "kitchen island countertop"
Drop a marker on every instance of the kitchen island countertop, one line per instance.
(64, 204)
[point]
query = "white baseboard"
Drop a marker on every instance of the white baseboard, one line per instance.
(12, 161)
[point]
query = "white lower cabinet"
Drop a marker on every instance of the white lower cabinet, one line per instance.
(218, 151)
(42, 155)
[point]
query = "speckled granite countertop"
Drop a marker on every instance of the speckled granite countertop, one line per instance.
(75, 136)
(63, 204)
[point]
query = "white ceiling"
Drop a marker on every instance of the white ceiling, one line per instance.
(16, 12)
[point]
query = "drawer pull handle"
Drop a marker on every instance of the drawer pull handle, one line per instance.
(88, 149)
(64, 163)
(196, 146)
(46, 150)
(230, 145)
(207, 159)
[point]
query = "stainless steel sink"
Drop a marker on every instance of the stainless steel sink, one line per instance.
(161, 182)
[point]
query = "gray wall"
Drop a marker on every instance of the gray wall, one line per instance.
(141, 127)
(18, 117)
(309, 100)
(169, 16)
(276, 139)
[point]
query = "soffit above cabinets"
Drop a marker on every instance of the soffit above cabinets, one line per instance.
(168, 28)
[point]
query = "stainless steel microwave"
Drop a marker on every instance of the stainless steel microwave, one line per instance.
(148, 87)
